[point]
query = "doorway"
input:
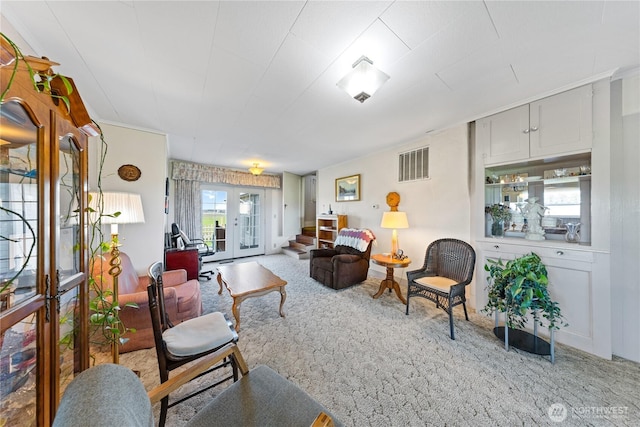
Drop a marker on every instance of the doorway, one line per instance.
(233, 221)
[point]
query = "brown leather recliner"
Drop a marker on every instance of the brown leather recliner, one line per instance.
(340, 267)
(182, 299)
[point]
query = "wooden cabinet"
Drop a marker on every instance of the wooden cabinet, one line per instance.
(327, 227)
(558, 124)
(43, 262)
(574, 283)
(188, 259)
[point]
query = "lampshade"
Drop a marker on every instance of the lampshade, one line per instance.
(394, 220)
(363, 81)
(256, 170)
(128, 204)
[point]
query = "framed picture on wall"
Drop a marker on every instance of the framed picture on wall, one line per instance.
(348, 188)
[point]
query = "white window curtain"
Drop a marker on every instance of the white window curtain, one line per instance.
(188, 212)
(217, 175)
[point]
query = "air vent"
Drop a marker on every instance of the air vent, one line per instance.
(413, 165)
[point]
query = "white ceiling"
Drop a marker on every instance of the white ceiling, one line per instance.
(237, 82)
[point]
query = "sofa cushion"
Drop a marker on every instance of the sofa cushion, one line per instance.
(260, 398)
(198, 335)
(104, 396)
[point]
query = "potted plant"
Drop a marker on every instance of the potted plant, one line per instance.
(518, 287)
(501, 215)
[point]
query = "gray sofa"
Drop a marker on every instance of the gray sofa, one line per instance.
(111, 395)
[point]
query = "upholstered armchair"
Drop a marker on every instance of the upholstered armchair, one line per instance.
(347, 263)
(182, 299)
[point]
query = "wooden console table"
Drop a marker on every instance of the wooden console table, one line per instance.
(389, 282)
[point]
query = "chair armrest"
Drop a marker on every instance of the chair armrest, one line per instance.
(322, 253)
(174, 277)
(416, 274)
(346, 259)
(230, 350)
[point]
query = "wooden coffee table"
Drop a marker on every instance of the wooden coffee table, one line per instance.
(249, 280)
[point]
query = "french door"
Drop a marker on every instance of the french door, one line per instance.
(233, 220)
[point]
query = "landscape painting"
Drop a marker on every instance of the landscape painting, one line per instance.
(348, 188)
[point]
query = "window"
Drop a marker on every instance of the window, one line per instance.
(413, 165)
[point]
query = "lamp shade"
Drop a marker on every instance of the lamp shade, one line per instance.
(394, 220)
(363, 81)
(128, 204)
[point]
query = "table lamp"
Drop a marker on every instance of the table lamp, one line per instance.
(394, 220)
(117, 208)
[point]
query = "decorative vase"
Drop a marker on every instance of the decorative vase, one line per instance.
(497, 228)
(573, 232)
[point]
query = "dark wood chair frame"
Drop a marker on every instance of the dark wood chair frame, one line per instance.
(168, 362)
(450, 258)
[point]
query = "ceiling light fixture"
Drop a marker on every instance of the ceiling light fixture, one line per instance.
(256, 170)
(363, 81)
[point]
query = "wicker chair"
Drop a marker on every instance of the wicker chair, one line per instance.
(447, 270)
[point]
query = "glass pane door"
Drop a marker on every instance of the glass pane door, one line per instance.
(235, 229)
(69, 276)
(248, 223)
(21, 285)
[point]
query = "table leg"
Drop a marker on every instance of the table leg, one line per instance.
(220, 283)
(283, 297)
(390, 283)
(235, 309)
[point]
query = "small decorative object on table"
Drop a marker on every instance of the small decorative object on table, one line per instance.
(534, 212)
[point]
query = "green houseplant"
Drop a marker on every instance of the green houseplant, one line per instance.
(500, 214)
(519, 286)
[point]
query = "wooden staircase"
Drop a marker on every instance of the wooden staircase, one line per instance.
(300, 247)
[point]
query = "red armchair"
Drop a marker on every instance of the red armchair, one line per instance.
(182, 299)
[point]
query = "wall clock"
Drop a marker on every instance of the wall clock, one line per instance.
(129, 172)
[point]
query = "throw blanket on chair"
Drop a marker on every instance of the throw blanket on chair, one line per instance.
(354, 238)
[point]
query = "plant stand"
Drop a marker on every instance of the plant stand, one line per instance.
(523, 340)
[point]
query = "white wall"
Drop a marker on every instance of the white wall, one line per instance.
(144, 243)
(437, 207)
(625, 217)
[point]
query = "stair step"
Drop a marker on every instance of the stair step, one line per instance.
(309, 231)
(301, 246)
(308, 240)
(295, 253)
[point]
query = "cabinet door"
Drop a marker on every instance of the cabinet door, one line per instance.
(504, 137)
(562, 123)
(24, 284)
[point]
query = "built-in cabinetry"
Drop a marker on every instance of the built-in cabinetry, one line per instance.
(554, 125)
(43, 255)
(555, 149)
(576, 283)
(327, 227)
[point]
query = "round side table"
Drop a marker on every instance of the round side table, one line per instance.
(389, 282)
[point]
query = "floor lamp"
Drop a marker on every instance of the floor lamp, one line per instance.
(117, 208)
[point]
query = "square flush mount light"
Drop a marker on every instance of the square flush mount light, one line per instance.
(363, 81)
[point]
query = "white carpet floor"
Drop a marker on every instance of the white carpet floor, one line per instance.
(372, 365)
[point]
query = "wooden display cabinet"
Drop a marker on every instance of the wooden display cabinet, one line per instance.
(44, 325)
(327, 228)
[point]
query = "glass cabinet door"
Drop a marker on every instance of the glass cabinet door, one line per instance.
(69, 276)
(22, 287)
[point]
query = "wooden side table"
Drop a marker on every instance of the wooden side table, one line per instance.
(389, 282)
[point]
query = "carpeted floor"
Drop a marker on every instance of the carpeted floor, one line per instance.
(372, 365)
